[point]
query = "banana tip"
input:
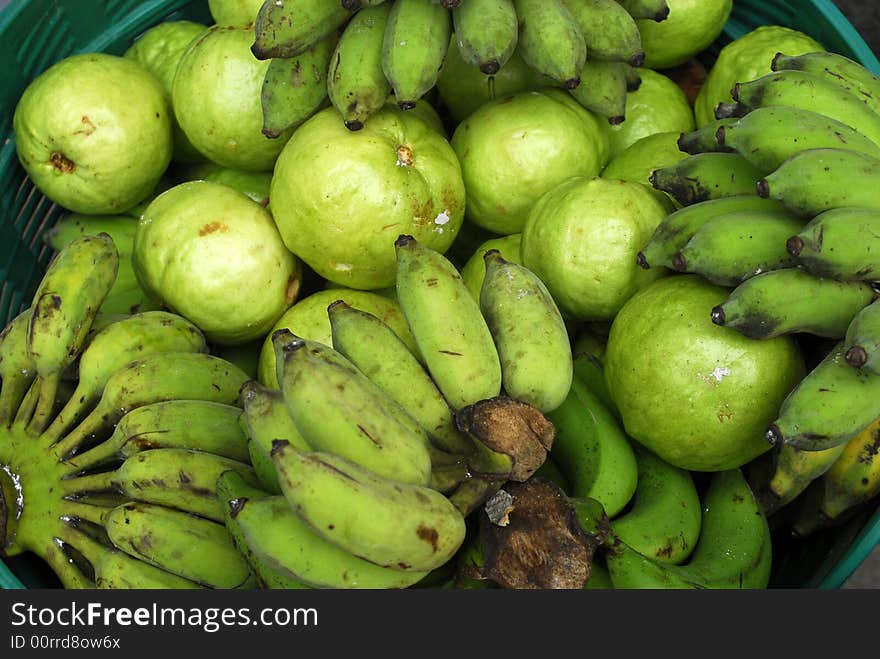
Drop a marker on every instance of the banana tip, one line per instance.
(278, 446)
(354, 125)
(404, 240)
(638, 59)
(490, 68)
(663, 14)
(335, 305)
(773, 435)
(236, 506)
(856, 356)
(718, 315)
(794, 245)
(616, 120)
(406, 105)
(721, 136)
(642, 261)
(763, 188)
(572, 83)
(680, 264)
(774, 65)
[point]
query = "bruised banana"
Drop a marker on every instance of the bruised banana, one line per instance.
(707, 176)
(287, 29)
(154, 378)
(550, 40)
(115, 346)
(818, 180)
(487, 33)
(854, 478)
(447, 325)
(862, 341)
(374, 348)
(185, 424)
(791, 300)
(64, 305)
(840, 244)
(183, 479)
(389, 523)
(793, 471)
(609, 31)
(830, 406)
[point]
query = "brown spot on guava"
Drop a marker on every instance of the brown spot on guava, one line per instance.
(212, 227)
(62, 163)
(428, 535)
(89, 127)
(405, 156)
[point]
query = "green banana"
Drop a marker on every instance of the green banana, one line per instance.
(356, 82)
(183, 479)
(233, 492)
(286, 29)
(417, 35)
(609, 31)
(374, 348)
(769, 136)
(736, 246)
(705, 139)
(830, 406)
(186, 424)
(17, 370)
(592, 450)
(115, 346)
(389, 523)
(295, 88)
(529, 333)
(837, 69)
(154, 378)
(633, 78)
(791, 300)
(604, 90)
(447, 325)
(589, 369)
(338, 409)
(793, 472)
(808, 91)
(665, 518)
(679, 227)
(487, 33)
(655, 10)
(734, 549)
(64, 305)
(354, 5)
(550, 40)
(840, 244)
(707, 176)
(862, 340)
(266, 418)
(818, 180)
(121, 228)
(185, 545)
(116, 570)
(855, 476)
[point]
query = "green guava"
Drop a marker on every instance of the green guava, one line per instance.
(253, 184)
(582, 238)
(215, 257)
(638, 162)
(93, 132)
(235, 13)
(159, 50)
(217, 100)
(474, 271)
(747, 58)
(659, 105)
(308, 319)
(690, 28)
(698, 395)
(515, 149)
(463, 88)
(341, 198)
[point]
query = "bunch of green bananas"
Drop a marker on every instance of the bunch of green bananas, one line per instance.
(360, 53)
(779, 203)
(113, 431)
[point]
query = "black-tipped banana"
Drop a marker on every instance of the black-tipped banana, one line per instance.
(389, 523)
(287, 29)
(266, 419)
(793, 471)
(356, 82)
(840, 244)
(655, 10)
(117, 345)
(767, 137)
(295, 88)
(665, 519)
(609, 31)
(195, 549)
(808, 91)
(837, 69)
(707, 176)
(791, 300)
(854, 478)
(734, 549)
(417, 35)
(158, 377)
(338, 409)
(604, 89)
(678, 228)
(818, 180)
(862, 341)
(64, 305)
(17, 370)
(183, 424)
(374, 348)
(830, 406)
(550, 40)
(737, 246)
(529, 333)
(182, 479)
(705, 139)
(487, 33)
(447, 325)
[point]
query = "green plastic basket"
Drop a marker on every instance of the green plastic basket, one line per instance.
(34, 34)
